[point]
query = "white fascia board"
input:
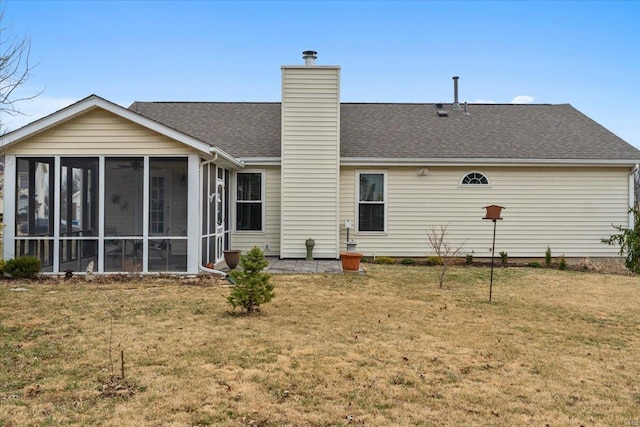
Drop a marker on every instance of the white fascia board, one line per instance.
(261, 161)
(362, 161)
(226, 158)
(94, 101)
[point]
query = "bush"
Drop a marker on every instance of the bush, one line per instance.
(252, 287)
(534, 264)
(547, 257)
(434, 260)
(2, 264)
(385, 260)
(563, 263)
(504, 258)
(407, 261)
(25, 267)
(629, 241)
(469, 259)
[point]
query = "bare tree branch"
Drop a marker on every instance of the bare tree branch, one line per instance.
(445, 250)
(15, 69)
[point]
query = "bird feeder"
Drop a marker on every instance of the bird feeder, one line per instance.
(493, 212)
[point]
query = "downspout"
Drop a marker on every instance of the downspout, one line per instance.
(200, 215)
(632, 194)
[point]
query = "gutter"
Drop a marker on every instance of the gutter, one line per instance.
(425, 162)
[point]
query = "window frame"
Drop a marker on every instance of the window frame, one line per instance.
(385, 202)
(466, 174)
(262, 200)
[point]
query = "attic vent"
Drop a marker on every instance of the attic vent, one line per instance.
(442, 113)
(439, 105)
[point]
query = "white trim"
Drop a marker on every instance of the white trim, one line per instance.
(385, 193)
(263, 200)
(101, 208)
(9, 206)
(194, 214)
(55, 205)
(92, 102)
(466, 174)
(428, 162)
(261, 161)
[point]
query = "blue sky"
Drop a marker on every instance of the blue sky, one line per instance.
(583, 53)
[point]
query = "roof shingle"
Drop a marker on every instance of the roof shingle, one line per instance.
(406, 131)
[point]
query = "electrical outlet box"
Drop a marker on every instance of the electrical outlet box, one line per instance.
(267, 246)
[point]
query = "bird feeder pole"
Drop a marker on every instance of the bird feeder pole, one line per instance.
(493, 214)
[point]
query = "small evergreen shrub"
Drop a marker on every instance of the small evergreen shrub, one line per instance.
(563, 263)
(547, 257)
(469, 259)
(534, 264)
(385, 260)
(25, 267)
(407, 261)
(504, 258)
(252, 288)
(434, 260)
(2, 264)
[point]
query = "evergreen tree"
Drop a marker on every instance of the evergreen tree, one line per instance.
(252, 287)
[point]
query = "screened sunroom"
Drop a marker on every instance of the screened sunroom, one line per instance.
(93, 202)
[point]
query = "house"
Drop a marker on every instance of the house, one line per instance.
(167, 186)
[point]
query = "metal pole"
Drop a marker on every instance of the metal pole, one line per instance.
(493, 250)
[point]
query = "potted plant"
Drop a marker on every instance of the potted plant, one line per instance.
(350, 261)
(232, 258)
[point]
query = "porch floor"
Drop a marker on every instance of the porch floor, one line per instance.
(278, 266)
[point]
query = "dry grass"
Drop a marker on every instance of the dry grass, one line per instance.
(389, 348)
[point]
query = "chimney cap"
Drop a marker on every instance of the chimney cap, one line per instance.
(455, 77)
(309, 57)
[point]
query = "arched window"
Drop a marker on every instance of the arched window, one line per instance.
(474, 178)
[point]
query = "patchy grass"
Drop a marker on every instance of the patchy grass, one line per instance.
(387, 348)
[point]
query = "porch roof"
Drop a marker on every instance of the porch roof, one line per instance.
(92, 102)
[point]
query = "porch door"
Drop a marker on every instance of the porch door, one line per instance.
(221, 213)
(159, 210)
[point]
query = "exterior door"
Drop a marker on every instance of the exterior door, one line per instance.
(220, 211)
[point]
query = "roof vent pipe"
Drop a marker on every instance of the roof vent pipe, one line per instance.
(466, 110)
(456, 104)
(309, 57)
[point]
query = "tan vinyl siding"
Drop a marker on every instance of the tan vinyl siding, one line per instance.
(271, 234)
(99, 132)
(567, 209)
(310, 160)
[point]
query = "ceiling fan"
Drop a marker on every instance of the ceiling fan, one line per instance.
(136, 165)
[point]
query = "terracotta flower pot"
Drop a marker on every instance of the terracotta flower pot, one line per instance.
(350, 261)
(232, 258)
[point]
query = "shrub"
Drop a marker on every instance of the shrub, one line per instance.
(629, 241)
(469, 259)
(252, 287)
(547, 257)
(563, 263)
(434, 260)
(534, 264)
(25, 267)
(407, 261)
(2, 264)
(504, 258)
(385, 260)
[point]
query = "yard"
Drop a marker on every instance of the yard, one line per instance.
(557, 348)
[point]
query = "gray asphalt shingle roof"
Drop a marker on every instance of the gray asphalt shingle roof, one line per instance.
(405, 131)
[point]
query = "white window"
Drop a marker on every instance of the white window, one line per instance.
(372, 201)
(474, 178)
(249, 201)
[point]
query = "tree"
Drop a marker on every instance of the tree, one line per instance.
(15, 70)
(443, 248)
(252, 287)
(629, 241)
